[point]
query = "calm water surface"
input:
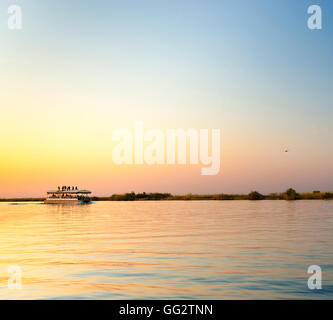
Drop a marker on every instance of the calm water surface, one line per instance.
(178, 250)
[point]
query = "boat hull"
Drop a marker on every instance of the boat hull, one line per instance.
(62, 201)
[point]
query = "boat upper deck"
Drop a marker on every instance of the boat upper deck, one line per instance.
(68, 190)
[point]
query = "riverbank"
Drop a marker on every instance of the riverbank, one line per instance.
(22, 199)
(290, 194)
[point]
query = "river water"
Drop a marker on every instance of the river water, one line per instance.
(167, 249)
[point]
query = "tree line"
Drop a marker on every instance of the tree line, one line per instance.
(289, 194)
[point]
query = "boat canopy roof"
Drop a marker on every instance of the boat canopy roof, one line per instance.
(69, 191)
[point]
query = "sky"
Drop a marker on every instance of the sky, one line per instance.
(79, 70)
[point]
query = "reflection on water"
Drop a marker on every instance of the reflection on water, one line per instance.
(179, 250)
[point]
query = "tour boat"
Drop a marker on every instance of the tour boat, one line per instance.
(67, 195)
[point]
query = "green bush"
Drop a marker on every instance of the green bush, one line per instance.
(291, 194)
(327, 195)
(255, 195)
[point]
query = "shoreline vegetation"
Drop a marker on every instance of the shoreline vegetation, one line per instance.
(290, 194)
